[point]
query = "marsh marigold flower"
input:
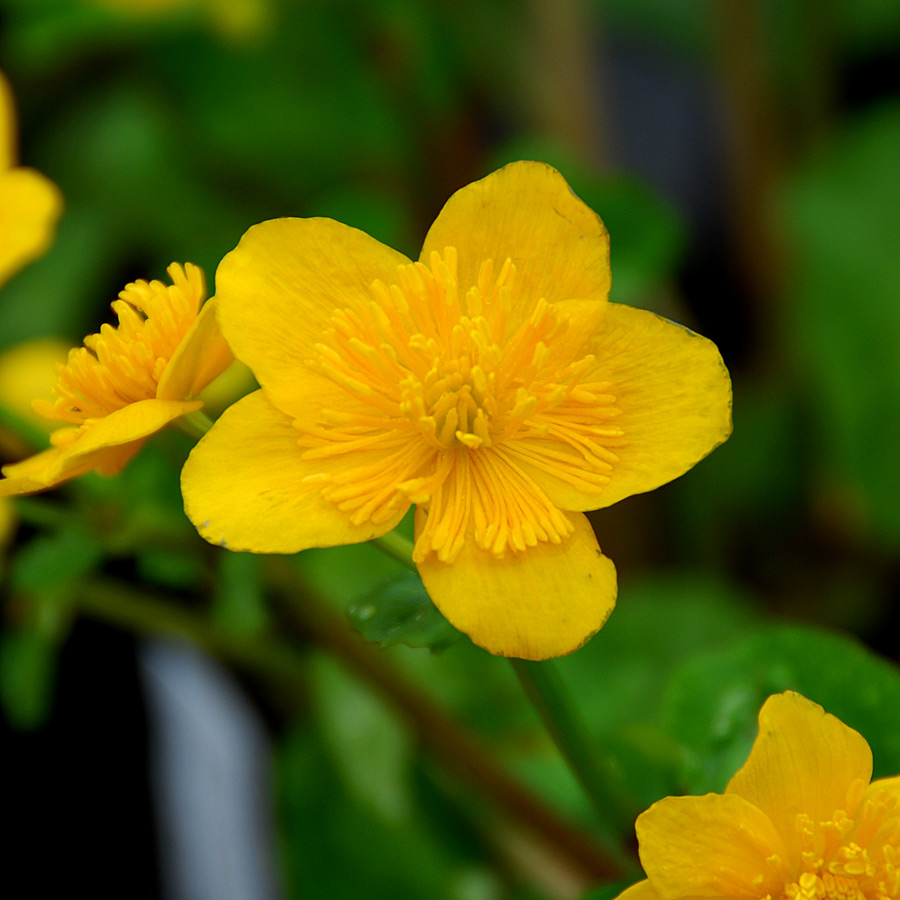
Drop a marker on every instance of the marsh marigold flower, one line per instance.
(127, 382)
(799, 821)
(491, 384)
(30, 204)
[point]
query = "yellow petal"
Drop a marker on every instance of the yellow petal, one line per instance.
(714, 846)
(542, 602)
(674, 395)
(804, 760)
(246, 486)
(29, 209)
(200, 358)
(526, 212)
(878, 821)
(104, 445)
(277, 289)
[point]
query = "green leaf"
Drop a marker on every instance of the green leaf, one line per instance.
(52, 561)
(238, 604)
(840, 215)
(711, 703)
(401, 612)
(371, 749)
(28, 659)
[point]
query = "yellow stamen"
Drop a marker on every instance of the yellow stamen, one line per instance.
(124, 364)
(453, 407)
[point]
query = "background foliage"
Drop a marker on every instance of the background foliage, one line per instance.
(743, 155)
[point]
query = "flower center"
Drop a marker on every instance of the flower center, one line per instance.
(847, 859)
(123, 364)
(454, 401)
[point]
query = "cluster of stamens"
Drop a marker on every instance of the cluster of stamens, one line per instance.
(123, 364)
(467, 400)
(850, 859)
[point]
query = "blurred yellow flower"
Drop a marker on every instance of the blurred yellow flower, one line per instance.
(799, 820)
(30, 204)
(127, 382)
(234, 19)
(491, 384)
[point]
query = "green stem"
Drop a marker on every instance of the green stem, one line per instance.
(397, 547)
(547, 691)
(194, 425)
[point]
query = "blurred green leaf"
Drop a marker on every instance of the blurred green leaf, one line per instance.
(712, 702)
(28, 659)
(238, 604)
(334, 846)
(49, 562)
(401, 612)
(841, 217)
(371, 749)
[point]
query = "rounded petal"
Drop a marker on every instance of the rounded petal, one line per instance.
(278, 288)
(804, 760)
(540, 603)
(526, 212)
(31, 205)
(103, 445)
(247, 487)
(200, 358)
(674, 395)
(718, 845)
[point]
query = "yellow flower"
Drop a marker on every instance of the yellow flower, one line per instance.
(491, 384)
(799, 821)
(30, 204)
(127, 382)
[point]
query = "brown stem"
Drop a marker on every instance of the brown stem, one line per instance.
(278, 662)
(458, 751)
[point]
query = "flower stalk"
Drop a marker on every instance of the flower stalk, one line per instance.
(548, 694)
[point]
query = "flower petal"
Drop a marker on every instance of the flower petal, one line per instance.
(542, 602)
(103, 445)
(804, 760)
(278, 288)
(718, 845)
(526, 212)
(674, 394)
(31, 205)
(247, 487)
(199, 359)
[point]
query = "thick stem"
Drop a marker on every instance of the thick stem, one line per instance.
(193, 425)
(397, 547)
(546, 690)
(459, 752)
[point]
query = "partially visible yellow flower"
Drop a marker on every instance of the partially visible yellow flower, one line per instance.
(491, 384)
(127, 382)
(799, 821)
(27, 371)
(30, 204)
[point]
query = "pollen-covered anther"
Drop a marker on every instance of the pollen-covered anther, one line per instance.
(459, 406)
(123, 364)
